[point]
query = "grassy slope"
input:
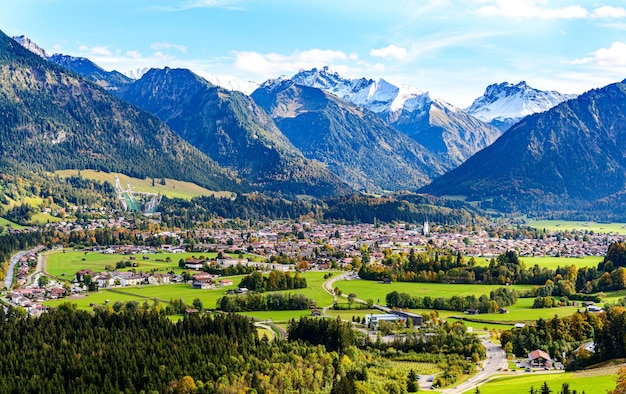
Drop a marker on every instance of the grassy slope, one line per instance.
(562, 225)
(592, 381)
(5, 223)
(172, 188)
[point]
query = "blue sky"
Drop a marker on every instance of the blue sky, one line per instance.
(453, 49)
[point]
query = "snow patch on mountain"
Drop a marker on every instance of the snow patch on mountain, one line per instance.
(31, 46)
(505, 104)
(136, 73)
(380, 96)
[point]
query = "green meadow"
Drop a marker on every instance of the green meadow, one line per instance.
(562, 225)
(66, 264)
(172, 188)
(551, 262)
(554, 262)
(209, 297)
(588, 381)
(6, 223)
(521, 311)
(377, 291)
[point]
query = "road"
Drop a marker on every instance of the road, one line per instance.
(496, 359)
(8, 279)
(39, 269)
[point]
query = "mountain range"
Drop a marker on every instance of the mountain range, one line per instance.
(320, 134)
(448, 132)
(57, 119)
(505, 104)
(565, 158)
(230, 128)
(353, 142)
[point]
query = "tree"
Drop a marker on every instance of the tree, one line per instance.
(351, 298)
(43, 281)
(338, 292)
(545, 389)
(185, 386)
(620, 387)
(412, 386)
(197, 303)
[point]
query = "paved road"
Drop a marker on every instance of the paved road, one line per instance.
(496, 359)
(8, 279)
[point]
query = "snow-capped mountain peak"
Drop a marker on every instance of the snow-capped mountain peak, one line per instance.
(136, 73)
(31, 46)
(380, 95)
(504, 104)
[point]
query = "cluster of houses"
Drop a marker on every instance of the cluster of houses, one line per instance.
(209, 281)
(280, 239)
(25, 263)
(127, 278)
(31, 299)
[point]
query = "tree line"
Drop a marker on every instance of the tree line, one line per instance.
(263, 302)
(497, 299)
(275, 280)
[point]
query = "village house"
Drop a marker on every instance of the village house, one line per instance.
(539, 358)
(194, 264)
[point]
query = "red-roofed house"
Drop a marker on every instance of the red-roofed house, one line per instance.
(539, 358)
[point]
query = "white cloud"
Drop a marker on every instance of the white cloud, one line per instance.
(134, 54)
(233, 5)
(276, 64)
(160, 46)
(390, 51)
(95, 50)
(613, 56)
(522, 9)
(609, 12)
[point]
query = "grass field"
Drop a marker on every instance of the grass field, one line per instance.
(66, 264)
(377, 291)
(209, 297)
(522, 311)
(172, 188)
(562, 225)
(277, 316)
(99, 298)
(6, 223)
(591, 382)
(553, 262)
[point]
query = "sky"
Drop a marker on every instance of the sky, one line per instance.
(453, 49)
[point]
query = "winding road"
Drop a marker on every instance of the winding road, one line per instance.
(8, 279)
(496, 360)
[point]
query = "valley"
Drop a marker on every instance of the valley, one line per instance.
(170, 230)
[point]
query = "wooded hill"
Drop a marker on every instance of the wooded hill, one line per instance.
(58, 119)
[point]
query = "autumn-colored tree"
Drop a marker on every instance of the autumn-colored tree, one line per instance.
(620, 387)
(185, 386)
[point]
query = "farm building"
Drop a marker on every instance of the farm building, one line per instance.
(374, 320)
(539, 358)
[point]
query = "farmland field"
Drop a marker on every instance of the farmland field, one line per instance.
(522, 311)
(209, 297)
(172, 188)
(554, 262)
(277, 316)
(562, 225)
(594, 381)
(377, 291)
(99, 298)
(67, 264)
